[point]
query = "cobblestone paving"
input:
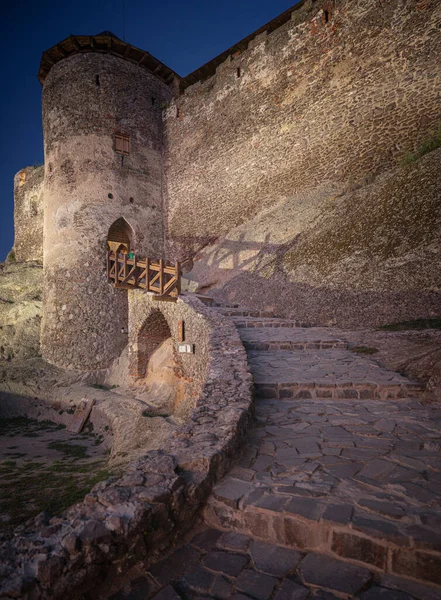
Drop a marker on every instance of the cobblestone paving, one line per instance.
(332, 497)
(318, 366)
(224, 565)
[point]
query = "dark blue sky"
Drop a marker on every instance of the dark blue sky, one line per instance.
(182, 34)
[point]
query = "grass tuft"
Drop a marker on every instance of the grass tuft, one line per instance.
(429, 144)
(415, 324)
(364, 350)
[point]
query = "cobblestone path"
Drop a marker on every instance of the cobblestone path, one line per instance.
(337, 494)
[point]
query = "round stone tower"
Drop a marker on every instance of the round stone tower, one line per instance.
(102, 121)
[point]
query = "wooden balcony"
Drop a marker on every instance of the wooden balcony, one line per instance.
(156, 276)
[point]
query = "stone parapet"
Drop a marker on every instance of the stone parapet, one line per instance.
(158, 496)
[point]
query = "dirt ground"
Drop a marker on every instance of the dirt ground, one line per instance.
(45, 468)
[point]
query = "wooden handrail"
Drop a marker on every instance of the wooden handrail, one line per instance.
(160, 277)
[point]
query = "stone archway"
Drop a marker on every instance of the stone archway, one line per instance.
(121, 236)
(150, 336)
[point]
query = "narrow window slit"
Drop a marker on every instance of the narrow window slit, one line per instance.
(238, 72)
(97, 80)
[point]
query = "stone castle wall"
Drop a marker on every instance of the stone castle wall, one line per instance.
(28, 214)
(87, 98)
(336, 94)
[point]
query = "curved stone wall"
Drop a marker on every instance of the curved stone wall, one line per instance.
(159, 495)
(87, 100)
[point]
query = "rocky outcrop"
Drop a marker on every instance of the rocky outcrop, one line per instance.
(21, 289)
(360, 255)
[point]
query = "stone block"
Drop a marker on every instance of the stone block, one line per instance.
(174, 565)
(415, 589)
(290, 590)
(379, 529)
(224, 562)
(338, 513)
(417, 564)
(230, 491)
(388, 509)
(221, 588)
(274, 560)
(271, 502)
(199, 580)
(424, 537)
(299, 534)
(206, 540)
(359, 548)
(256, 585)
(234, 541)
(309, 508)
(326, 572)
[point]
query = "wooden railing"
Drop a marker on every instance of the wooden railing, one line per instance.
(160, 277)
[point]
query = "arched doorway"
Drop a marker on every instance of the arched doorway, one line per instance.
(156, 367)
(121, 236)
(153, 333)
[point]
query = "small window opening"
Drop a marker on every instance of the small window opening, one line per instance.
(153, 101)
(178, 112)
(97, 80)
(326, 16)
(122, 144)
(238, 72)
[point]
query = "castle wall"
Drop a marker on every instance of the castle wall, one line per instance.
(87, 98)
(310, 103)
(28, 214)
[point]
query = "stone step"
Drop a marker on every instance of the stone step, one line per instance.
(324, 391)
(293, 345)
(244, 312)
(336, 531)
(213, 563)
(330, 373)
(360, 481)
(286, 338)
(251, 322)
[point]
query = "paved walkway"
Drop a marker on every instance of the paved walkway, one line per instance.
(337, 494)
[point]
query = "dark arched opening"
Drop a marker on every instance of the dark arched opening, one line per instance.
(120, 237)
(153, 333)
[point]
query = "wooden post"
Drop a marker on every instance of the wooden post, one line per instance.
(135, 274)
(125, 266)
(161, 276)
(178, 277)
(147, 274)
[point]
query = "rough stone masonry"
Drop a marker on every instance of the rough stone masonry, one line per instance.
(323, 100)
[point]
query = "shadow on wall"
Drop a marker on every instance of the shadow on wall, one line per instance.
(257, 275)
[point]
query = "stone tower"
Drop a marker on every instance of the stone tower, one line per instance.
(103, 141)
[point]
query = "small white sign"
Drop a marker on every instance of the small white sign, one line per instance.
(186, 348)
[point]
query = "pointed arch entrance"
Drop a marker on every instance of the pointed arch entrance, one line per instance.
(121, 237)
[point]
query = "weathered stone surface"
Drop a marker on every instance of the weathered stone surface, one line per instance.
(290, 590)
(272, 559)
(174, 565)
(326, 572)
(420, 565)
(230, 564)
(358, 548)
(256, 585)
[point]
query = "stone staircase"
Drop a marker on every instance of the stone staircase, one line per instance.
(337, 493)
(344, 459)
